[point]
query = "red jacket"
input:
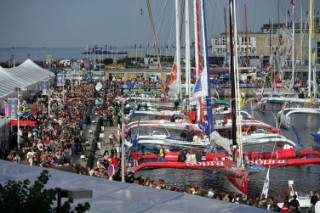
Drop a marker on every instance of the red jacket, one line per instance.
(135, 155)
(284, 210)
(114, 161)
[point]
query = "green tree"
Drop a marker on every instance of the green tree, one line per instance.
(19, 196)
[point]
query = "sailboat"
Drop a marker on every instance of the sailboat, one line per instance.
(290, 97)
(234, 171)
(311, 106)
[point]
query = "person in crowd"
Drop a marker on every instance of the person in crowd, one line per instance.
(183, 155)
(113, 151)
(210, 193)
(161, 153)
(285, 208)
(176, 104)
(294, 204)
(173, 118)
(183, 135)
(111, 138)
(135, 158)
(314, 199)
(273, 205)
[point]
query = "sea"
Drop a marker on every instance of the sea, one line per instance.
(20, 54)
(306, 178)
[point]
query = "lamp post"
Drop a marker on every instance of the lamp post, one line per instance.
(122, 144)
(49, 100)
(18, 89)
(18, 117)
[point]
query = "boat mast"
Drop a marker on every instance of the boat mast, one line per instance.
(178, 48)
(232, 78)
(247, 41)
(205, 68)
(226, 38)
(197, 52)
(188, 70)
(237, 91)
(310, 47)
(301, 34)
(156, 46)
(292, 53)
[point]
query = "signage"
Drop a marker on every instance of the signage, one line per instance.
(59, 80)
(13, 108)
(111, 170)
(45, 87)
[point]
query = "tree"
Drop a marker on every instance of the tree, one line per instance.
(19, 196)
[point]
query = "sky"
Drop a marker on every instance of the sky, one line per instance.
(76, 23)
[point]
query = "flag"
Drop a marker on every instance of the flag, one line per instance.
(297, 136)
(172, 77)
(201, 86)
(6, 108)
(133, 110)
(292, 2)
(316, 138)
(128, 134)
(44, 87)
(141, 11)
(266, 185)
(136, 137)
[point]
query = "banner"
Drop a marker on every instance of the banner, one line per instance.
(23, 123)
(6, 108)
(45, 87)
(13, 108)
(59, 80)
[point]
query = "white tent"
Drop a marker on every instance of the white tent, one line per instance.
(7, 83)
(26, 75)
(112, 196)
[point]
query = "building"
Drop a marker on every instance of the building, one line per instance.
(275, 43)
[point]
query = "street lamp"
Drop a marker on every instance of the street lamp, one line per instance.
(122, 144)
(18, 89)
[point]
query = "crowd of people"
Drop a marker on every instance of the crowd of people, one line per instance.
(59, 123)
(268, 203)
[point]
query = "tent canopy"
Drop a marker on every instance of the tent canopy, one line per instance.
(24, 75)
(122, 197)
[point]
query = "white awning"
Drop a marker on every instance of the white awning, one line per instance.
(24, 75)
(121, 197)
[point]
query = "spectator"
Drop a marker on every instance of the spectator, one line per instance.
(135, 157)
(161, 153)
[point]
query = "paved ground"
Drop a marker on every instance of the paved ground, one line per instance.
(104, 144)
